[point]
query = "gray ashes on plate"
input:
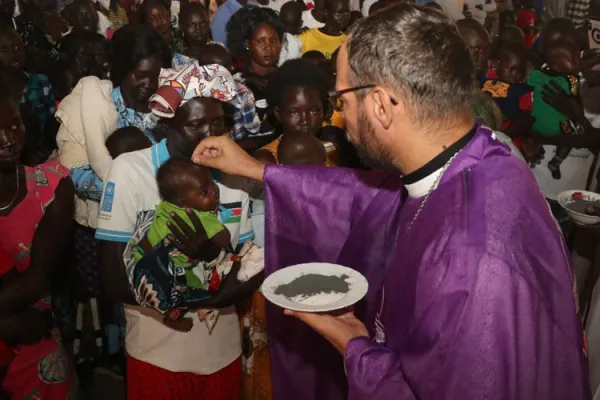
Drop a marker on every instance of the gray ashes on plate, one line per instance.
(313, 284)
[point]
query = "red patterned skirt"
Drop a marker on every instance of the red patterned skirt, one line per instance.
(145, 381)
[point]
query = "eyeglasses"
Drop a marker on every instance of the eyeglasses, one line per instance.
(335, 98)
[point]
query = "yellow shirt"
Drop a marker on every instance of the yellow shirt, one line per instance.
(314, 39)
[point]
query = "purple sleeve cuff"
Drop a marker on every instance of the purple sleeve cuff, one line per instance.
(374, 371)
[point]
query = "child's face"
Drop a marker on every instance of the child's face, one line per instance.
(301, 111)
(204, 194)
(292, 20)
(338, 15)
(479, 46)
(99, 59)
(85, 18)
(566, 62)
(12, 51)
(195, 29)
(159, 17)
(511, 68)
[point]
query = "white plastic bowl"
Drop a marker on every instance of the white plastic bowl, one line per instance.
(565, 198)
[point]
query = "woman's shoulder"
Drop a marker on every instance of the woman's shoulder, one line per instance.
(45, 178)
(51, 168)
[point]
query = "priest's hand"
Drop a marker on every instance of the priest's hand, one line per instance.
(338, 329)
(222, 153)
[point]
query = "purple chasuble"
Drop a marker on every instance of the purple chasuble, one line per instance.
(478, 303)
(478, 296)
(328, 215)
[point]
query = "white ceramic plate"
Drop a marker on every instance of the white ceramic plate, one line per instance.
(565, 198)
(358, 287)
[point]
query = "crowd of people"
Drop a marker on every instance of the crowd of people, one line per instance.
(142, 201)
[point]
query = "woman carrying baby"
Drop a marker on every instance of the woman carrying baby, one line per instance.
(164, 362)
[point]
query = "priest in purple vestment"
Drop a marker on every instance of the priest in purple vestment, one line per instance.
(471, 291)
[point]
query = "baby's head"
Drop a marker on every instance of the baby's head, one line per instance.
(188, 185)
(315, 57)
(507, 18)
(301, 150)
(562, 56)
(214, 53)
(511, 63)
(126, 140)
(291, 16)
(512, 34)
(559, 28)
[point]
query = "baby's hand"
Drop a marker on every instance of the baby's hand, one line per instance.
(180, 325)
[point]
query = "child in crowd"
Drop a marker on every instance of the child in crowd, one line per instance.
(216, 53)
(157, 14)
(526, 17)
(315, 57)
(315, 17)
(291, 16)
(82, 16)
(126, 140)
(512, 34)
(561, 69)
(508, 91)
(37, 90)
(479, 44)
(301, 150)
(507, 18)
(179, 282)
(87, 53)
(298, 93)
(194, 28)
(195, 34)
(328, 38)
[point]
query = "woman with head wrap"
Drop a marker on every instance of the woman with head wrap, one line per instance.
(164, 363)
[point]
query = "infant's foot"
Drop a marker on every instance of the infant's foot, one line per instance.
(181, 324)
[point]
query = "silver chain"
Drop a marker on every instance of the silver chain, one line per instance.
(9, 205)
(432, 188)
(379, 327)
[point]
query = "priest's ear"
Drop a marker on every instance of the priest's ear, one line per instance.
(383, 106)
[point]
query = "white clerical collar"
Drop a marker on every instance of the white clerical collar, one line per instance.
(421, 187)
(418, 183)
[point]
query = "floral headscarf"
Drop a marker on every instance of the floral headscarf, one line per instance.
(176, 87)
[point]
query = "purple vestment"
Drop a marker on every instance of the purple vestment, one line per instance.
(478, 294)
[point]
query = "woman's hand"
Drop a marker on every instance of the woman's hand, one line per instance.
(232, 291)
(222, 153)
(27, 327)
(338, 329)
(191, 241)
(571, 106)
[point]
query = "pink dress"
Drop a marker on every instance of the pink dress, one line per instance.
(41, 370)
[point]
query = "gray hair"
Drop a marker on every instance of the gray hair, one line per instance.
(417, 53)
